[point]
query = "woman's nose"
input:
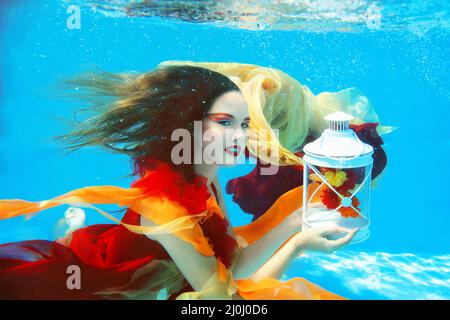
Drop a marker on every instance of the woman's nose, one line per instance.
(238, 134)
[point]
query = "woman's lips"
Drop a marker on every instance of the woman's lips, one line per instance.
(233, 150)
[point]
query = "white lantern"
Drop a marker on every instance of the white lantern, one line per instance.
(336, 179)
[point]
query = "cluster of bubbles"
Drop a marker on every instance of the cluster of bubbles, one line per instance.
(309, 15)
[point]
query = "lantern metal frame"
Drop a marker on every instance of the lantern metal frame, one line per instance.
(365, 183)
(364, 160)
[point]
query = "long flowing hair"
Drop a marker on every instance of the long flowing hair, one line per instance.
(278, 101)
(136, 113)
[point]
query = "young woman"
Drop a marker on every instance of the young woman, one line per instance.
(175, 240)
(278, 101)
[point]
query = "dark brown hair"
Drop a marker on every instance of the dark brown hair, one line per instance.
(135, 114)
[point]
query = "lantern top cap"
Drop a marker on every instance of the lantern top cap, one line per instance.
(339, 116)
(338, 146)
(338, 121)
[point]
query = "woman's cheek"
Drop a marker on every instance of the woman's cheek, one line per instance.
(242, 140)
(214, 136)
(213, 145)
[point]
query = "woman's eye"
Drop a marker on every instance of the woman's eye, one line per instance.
(224, 122)
(245, 125)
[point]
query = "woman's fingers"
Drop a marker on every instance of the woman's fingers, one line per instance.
(318, 238)
(335, 244)
(332, 230)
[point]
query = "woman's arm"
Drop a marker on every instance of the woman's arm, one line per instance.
(197, 268)
(255, 255)
(311, 239)
(276, 265)
(251, 258)
(268, 233)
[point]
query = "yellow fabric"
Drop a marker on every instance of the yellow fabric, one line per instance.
(278, 101)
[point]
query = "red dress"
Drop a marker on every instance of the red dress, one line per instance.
(109, 255)
(116, 261)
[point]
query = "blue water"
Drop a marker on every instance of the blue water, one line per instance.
(405, 74)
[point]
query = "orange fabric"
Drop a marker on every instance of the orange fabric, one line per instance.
(221, 271)
(164, 212)
(98, 195)
(213, 207)
(174, 218)
(170, 216)
(283, 207)
(292, 289)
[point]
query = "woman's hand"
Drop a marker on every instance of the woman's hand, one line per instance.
(317, 238)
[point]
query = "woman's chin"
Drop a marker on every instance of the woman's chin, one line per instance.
(226, 160)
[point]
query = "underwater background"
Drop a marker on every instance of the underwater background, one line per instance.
(400, 61)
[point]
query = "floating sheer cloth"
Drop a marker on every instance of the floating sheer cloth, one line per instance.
(172, 217)
(278, 101)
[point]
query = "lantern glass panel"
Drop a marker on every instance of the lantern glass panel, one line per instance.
(338, 196)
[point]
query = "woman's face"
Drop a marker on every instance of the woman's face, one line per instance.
(225, 129)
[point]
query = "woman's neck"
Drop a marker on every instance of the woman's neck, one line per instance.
(209, 171)
(206, 170)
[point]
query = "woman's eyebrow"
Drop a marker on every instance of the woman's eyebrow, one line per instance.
(221, 115)
(248, 118)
